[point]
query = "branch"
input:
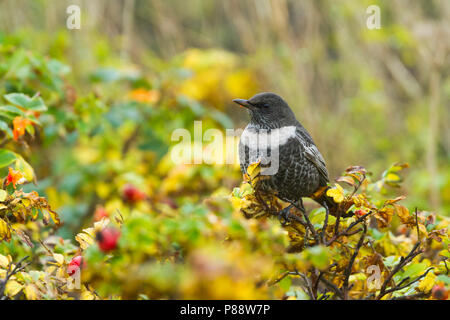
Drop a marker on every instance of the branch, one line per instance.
(356, 188)
(338, 221)
(400, 287)
(403, 262)
(325, 225)
(445, 263)
(300, 207)
(9, 273)
(333, 287)
(321, 273)
(412, 296)
(308, 285)
(346, 231)
(417, 226)
(348, 270)
(131, 139)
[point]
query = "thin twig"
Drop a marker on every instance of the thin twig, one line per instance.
(9, 273)
(346, 231)
(417, 226)
(284, 275)
(325, 225)
(403, 262)
(348, 270)
(338, 221)
(321, 273)
(358, 186)
(333, 287)
(400, 287)
(308, 285)
(412, 296)
(446, 267)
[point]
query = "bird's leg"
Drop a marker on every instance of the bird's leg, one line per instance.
(299, 205)
(284, 215)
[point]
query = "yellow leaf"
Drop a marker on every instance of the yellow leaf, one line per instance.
(428, 282)
(100, 225)
(87, 295)
(84, 240)
(12, 288)
(5, 231)
(31, 292)
(4, 261)
(336, 193)
(392, 177)
(384, 216)
(387, 202)
(59, 258)
(403, 214)
(53, 215)
(254, 170)
(25, 169)
(423, 229)
(103, 189)
(3, 195)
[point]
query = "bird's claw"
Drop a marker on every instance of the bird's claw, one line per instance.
(284, 216)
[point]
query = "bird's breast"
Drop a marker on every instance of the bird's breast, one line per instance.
(263, 139)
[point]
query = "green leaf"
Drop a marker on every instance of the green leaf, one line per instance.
(24, 101)
(12, 110)
(105, 75)
(445, 279)
(4, 127)
(317, 218)
(285, 284)
(414, 270)
(7, 157)
(318, 256)
(391, 261)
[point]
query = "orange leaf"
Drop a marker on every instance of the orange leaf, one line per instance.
(13, 177)
(142, 95)
(19, 125)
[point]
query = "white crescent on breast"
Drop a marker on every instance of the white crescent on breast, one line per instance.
(263, 139)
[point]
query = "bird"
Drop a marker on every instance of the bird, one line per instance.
(292, 166)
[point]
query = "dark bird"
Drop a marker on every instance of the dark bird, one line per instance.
(292, 165)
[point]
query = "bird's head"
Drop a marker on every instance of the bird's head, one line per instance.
(268, 110)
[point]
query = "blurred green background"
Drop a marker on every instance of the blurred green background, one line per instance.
(368, 97)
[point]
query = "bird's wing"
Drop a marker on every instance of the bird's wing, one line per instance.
(312, 153)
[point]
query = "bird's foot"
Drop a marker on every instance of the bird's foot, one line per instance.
(285, 216)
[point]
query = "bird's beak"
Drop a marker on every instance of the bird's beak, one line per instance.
(242, 102)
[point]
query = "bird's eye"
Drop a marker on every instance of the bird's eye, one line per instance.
(265, 105)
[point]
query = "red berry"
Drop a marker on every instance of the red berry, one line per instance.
(132, 194)
(100, 213)
(75, 264)
(360, 213)
(107, 239)
(439, 292)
